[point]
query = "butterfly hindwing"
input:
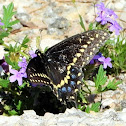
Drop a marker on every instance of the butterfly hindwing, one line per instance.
(36, 72)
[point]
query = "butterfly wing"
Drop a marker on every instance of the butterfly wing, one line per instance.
(69, 56)
(36, 72)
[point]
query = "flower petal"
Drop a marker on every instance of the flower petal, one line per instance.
(32, 54)
(19, 81)
(110, 65)
(104, 65)
(108, 59)
(13, 71)
(25, 75)
(12, 78)
(101, 59)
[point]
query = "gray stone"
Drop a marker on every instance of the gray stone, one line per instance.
(17, 26)
(23, 17)
(123, 104)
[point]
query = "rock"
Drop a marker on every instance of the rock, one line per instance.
(17, 26)
(71, 117)
(123, 104)
(59, 26)
(23, 17)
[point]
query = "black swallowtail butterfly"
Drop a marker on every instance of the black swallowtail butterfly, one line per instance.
(61, 65)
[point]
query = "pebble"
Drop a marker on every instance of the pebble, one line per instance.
(71, 117)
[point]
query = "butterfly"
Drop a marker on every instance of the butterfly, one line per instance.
(60, 67)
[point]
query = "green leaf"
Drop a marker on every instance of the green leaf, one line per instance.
(1, 42)
(12, 112)
(13, 23)
(25, 41)
(3, 34)
(82, 23)
(7, 59)
(46, 48)
(112, 85)
(87, 109)
(7, 15)
(4, 83)
(100, 79)
(95, 107)
(91, 26)
(19, 105)
(82, 96)
(81, 107)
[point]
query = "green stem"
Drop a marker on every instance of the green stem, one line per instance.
(23, 54)
(6, 46)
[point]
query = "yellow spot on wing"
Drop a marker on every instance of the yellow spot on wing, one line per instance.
(89, 42)
(81, 50)
(97, 45)
(31, 75)
(72, 64)
(85, 46)
(78, 82)
(93, 49)
(97, 35)
(76, 90)
(62, 82)
(91, 53)
(68, 72)
(91, 38)
(58, 86)
(79, 74)
(83, 63)
(65, 80)
(103, 37)
(74, 60)
(80, 40)
(87, 58)
(68, 77)
(68, 68)
(78, 54)
(105, 34)
(45, 82)
(72, 97)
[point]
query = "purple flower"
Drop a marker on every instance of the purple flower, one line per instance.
(101, 7)
(107, 16)
(4, 65)
(22, 63)
(115, 27)
(32, 54)
(95, 58)
(1, 23)
(105, 61)
(18, 75)
(111, 13)
(102, 18)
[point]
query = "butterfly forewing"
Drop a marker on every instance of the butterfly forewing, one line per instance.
(64, 61)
